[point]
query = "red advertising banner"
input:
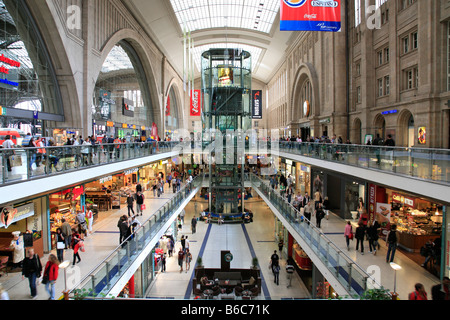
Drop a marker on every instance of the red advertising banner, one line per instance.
(168, 106)
(372, 201)
(310, 15)
(196, 106)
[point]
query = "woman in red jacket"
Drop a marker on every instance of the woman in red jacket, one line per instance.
(51, 271)
(419, 294)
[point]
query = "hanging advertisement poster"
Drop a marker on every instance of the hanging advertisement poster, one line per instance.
(195, 107)
(422, 135)
(383, 215)
(168, 107)
(257, 104)
(310, 15)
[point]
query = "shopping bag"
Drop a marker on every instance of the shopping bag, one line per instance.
(81, 246)
(142, 207)
(350, 236)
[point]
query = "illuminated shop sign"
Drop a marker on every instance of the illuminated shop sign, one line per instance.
(389, 112)
(5, 70)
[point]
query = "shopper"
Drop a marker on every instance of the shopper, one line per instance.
(441, 291)
(360, 233)
(419, 293)
(32, 269)
(274, 258)
(308, 211)
(66, 232)
(90, 220)
(79, 246)
(170, 245)
(8, 144)
(276, 273)
(139, 203)
(280, 246)
(163, 263)
(130, 202)
(194, 224)
(51, 273)
(188, 259)
(391, 243)
(60, 244)
(76, 239)
(180, 259)
(122, 228)
(317, 199)
(320, 214)
(82, 225)
(326, 207)
(372, 234)
(348, 233)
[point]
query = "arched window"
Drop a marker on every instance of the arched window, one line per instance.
(306, 99)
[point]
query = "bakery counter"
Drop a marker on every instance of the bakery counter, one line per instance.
(412, 242)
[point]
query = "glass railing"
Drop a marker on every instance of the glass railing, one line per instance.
(107, 273)
(427, 164)
(19, 164)
(349, 274)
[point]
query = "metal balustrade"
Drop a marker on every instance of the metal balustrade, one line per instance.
(109, 271)
(349, 274)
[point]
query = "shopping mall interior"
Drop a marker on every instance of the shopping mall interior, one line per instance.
(238, 151)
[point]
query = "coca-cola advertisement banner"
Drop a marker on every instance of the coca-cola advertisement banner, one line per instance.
(196, 105)
(310, 15)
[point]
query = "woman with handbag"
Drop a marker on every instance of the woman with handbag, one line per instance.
(32, 269)
(348, 233)
(51, 275)
(60, 245)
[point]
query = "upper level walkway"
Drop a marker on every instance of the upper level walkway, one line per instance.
(419, 171)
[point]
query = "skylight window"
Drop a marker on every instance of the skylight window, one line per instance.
(117, 60)
(247, 14)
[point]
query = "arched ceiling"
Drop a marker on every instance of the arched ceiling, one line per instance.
(253, 25)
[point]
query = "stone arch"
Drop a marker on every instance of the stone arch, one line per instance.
(137, 42)
(379, 126)
(406, 132)
(174, 87)
(356, 132)
(305, 72)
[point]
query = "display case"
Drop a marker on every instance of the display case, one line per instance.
(301, 258)
(416, 227)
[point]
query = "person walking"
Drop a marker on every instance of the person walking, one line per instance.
(163, 263)
(320, 214)
(194, 224)
(280, 246)
(391, 243)
(276, 273)
(348, 234)
(372, 233)
(32, 269)
(66, 230)
(419, 293)
(77, 244)
(181, 258)
(274, 259)
(90, 220)
(183, 243)
(8, 144)
(188, 259)
(51, 275)
(308, 211)
(326, 207)
(170, 245)
(360, 233)
(441, 291)
(130, 202)
(60, 244)
(139, 203)
(82, 225)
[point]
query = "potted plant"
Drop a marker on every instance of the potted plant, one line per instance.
(376, 294)
(199, 262)
(255, 263)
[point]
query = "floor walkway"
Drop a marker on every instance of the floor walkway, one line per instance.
(244, 241)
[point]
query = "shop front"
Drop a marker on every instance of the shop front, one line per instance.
(28, 218)
(302, 178)
(418, 220)
(65, 204)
